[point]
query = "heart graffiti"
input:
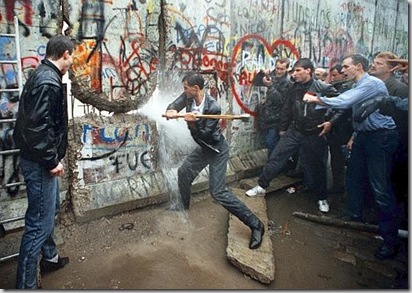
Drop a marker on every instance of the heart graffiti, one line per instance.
(251, 54)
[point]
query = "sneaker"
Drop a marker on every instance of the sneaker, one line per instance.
(48, 266)
(256, 191)
(323, 206)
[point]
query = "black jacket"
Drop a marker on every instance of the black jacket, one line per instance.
(207, 132)
(41, 127)
(304, 116)
(341, 119)
(268, 113)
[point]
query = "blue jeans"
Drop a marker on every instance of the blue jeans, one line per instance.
(197, 160)
(271, 138)
(370, 164)
(43, 204)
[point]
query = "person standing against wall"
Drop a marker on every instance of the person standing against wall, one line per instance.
(269, 108)
(212, 150)
(372, 146)
(41, 135)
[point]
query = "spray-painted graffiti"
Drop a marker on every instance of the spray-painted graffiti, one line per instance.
(9, 169)
(114, 55)
(201, 47)
(32, 15)
(251, 54)
(127, 190)
(111, 153)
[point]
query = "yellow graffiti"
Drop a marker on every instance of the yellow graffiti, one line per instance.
(86, 62)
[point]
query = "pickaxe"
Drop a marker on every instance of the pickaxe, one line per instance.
(243, 117)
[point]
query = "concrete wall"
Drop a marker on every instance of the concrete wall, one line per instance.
(132, 54)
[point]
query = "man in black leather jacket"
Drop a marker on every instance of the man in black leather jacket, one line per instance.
(270, 106)
(299, 129)
(341, 132)
(41, 135)
(212, 150)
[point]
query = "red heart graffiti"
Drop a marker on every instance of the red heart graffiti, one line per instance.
(269, 49)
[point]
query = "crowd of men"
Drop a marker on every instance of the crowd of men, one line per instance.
(357, 113)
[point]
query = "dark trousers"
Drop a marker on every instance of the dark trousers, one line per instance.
(313, 153)
(370, 162)
(337, 163)
(197, 160)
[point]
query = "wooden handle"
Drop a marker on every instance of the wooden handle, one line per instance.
(215, 116)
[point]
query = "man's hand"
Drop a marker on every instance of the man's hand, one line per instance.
(170, 114)
(190, 117)
(350, 143)
(267, 80)
(327, 126)
(57, 171)
(309, 98)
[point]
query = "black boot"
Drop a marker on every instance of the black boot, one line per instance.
(48, 266)
(257, 236)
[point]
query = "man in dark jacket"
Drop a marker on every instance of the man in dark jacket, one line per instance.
(341, 132)
(299, 131)
(212, 150)
(269, 107)
(41, 135)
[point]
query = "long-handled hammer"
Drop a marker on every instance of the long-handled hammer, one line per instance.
(243, 117)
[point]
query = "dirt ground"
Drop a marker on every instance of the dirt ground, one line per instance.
(153, 248)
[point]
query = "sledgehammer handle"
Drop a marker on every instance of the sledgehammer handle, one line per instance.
(214, 116)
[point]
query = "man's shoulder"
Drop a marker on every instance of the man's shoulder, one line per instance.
(211, 102)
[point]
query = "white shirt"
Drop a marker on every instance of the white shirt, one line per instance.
(198, 109)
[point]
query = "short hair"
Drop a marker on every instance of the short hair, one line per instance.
(193, 78)
(338, 67)
(57, 45)
(388, 56)
(305, 63)
(283, 61)
(359, 59)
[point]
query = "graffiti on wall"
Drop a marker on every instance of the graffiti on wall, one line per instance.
(112, 153)
(201, 46)
(114, 55)
(9, 168)
(34, 16)
(250, 55)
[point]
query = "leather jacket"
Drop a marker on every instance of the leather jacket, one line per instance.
(268, 113)
(341, 119)
(303, 116)
(41, 127)
(206, 132)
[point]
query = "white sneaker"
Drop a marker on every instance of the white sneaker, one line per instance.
(323, 206)
(256, 191)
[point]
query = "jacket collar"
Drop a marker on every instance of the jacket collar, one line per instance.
(50, 64)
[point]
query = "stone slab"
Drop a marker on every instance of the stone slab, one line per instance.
(259, 263)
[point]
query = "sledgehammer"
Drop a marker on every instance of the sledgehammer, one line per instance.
(243, 117)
